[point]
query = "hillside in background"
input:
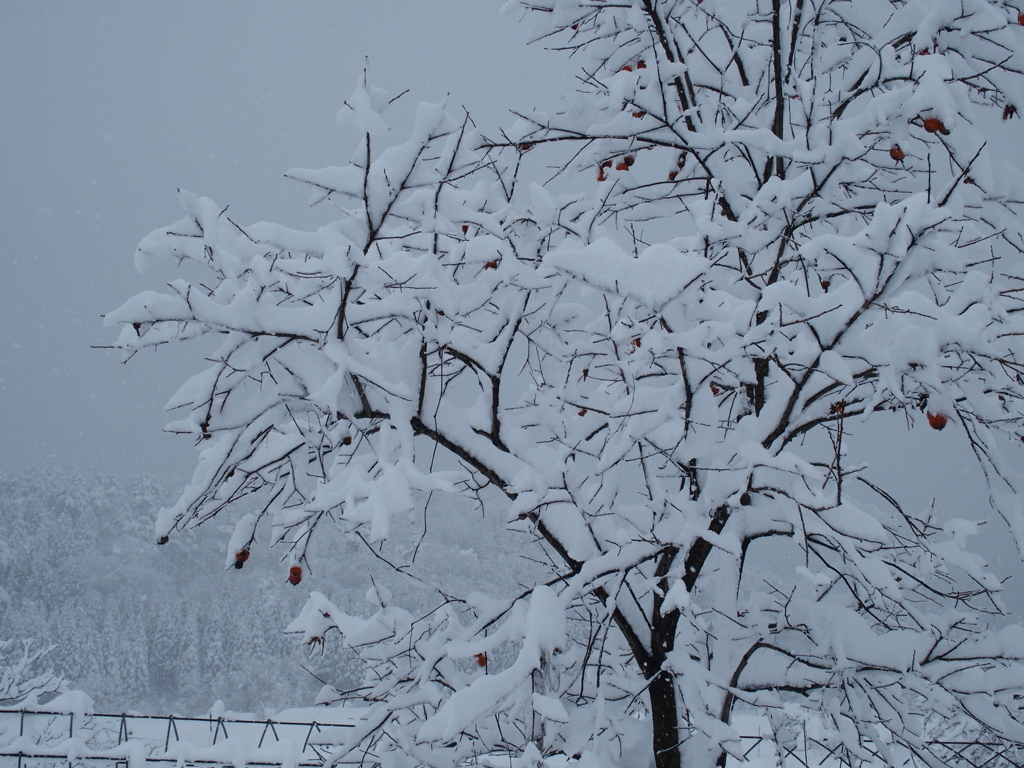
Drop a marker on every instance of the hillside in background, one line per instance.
(169, 629)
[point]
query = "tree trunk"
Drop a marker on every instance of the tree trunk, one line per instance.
(665, 719)
(662, 688)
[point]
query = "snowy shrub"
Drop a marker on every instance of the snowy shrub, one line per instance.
(22, 682)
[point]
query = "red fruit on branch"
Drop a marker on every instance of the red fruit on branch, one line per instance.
(162, 540)
(629, 160)
(641, 64)
(626, 68)
(1020, 19)
(715, 389)
(825, 284)
(491, 265)
(639, 113)
(672, 175)
(896, 153)
(600, 175)
(621, 167)
(240, 557)
(636, 342)
(526, 146)
(936, 420)
(934, 125)
(294, 574)
(481, 659)
(583, 412)
(465, 228)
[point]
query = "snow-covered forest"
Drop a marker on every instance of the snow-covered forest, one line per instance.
(134, 626)
(169, 629)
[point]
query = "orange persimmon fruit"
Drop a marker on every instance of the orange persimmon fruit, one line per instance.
(934, 125)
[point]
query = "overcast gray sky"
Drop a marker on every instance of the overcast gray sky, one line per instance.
(108, 107)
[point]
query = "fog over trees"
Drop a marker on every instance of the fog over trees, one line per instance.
(133, 626)
(169, 629)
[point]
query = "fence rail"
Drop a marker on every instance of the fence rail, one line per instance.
(811, 752)
(41, 739)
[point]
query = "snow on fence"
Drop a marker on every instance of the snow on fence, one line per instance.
(43, 739)
(811, 747)
(50, 739)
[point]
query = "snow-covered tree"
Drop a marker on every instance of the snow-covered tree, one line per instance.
(652, 320)
(22, 681)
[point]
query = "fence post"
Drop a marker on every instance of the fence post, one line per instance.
(71, 731)
(218, 727)
(310, 733)
(167, 740)
(273, 730)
